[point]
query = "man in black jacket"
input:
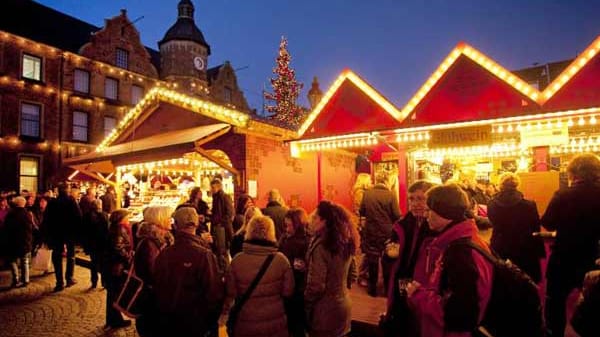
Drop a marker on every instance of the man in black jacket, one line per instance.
(380, 209)
(221, 220)
(276, 210)
(63, 219)
(19, 230)
(574, 213)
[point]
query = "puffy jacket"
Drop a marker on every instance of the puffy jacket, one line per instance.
(327, 300)
(457, 286)
(380, 209)
(188, 287)
(263, 314)
(117, 256)
(19, 231)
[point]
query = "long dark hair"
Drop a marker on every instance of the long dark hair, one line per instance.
(240, 207)
(298, 217)
(340, 234)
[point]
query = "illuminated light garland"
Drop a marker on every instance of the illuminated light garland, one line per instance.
(481, 59)
(197, 105)
(363, 86)
(497, 150)
(571, 71)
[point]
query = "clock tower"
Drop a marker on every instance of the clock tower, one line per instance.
(184, 53)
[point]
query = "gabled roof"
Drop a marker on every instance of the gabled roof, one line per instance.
(351, 104)
(463, 49)
(39, 23)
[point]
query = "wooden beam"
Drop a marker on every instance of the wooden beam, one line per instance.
(98, 177)
(211, 137)
(217, 161)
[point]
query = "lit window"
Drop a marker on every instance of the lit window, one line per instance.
(32, 67)
(80, 126)
(29, 173)
(109, 124)
(111, 88)
(82, 81)
(122, 59)
(137, 93)
(30, 120)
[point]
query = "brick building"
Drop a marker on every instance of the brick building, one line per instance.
(65, 84)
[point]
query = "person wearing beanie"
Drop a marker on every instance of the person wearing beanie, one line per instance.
(117, 260)
(191, 310)
(454, 306)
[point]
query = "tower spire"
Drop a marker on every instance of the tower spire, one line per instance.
(185, 9)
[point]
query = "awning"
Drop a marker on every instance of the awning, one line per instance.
(157, 147)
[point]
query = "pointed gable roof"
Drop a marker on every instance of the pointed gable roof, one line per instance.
(578, 86)
(468, 85)
(350, 105)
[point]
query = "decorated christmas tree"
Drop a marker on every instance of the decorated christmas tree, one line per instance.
(285, 91)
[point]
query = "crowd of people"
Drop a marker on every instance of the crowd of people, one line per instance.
(278, 271)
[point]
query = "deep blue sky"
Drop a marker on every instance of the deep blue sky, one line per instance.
(393, 44)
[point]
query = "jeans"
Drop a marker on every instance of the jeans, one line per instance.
(20, 264)
(57, 262)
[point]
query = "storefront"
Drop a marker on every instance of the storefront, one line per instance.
(471, 120)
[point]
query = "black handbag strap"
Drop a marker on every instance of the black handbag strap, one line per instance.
(263, 269)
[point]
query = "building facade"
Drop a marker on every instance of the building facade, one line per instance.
(65, 84)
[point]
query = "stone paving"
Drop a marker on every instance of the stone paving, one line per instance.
(37, 312)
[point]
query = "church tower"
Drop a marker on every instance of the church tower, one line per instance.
(314, 94)
(184, 53)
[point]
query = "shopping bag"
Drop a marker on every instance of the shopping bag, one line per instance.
(129, 295)
(43, 259)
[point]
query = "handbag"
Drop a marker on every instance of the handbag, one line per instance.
(239, 303)
(43, 259)
(130, 293)
(392, 249)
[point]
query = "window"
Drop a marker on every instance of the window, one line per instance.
(227, 95)
(137, 93)
(30, 120)
(109, 124)
(29, 173)
(82, 81)
(32, 67)
(122, 59)
(111, 88)
(80, 126)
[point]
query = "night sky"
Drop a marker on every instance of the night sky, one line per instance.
(393, 44)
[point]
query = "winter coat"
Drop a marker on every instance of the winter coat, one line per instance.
(237, 244)
(62, 221)
(294, 247)
(238, 221)
(585, 317)
(410, 236)
(452, 299)
(574, 213)
(514, 220)
(118, 253)
(19, 232)
(263, 314)
(109, 203)
(151, 241)
(276, 212)
(95, 232)
(380, 209)
(188, 288)
(222, 213)
(326, 297)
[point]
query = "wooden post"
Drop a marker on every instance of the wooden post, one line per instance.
(319, 187)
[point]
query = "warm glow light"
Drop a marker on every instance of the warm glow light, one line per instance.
(363, 86)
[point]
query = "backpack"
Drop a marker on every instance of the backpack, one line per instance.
(514, 308)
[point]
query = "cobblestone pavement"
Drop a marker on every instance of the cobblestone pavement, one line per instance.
(37, 312)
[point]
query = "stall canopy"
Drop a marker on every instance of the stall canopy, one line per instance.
(156, 147)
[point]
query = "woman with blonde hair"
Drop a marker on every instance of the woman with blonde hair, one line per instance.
(153, 236)
(238, 239)
(263, 313)
(363, 183)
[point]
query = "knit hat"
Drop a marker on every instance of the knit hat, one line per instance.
(118, 216)
(448, 201)
(185, 217)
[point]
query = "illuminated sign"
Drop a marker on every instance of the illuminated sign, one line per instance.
(545, 136)
(479, 135)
